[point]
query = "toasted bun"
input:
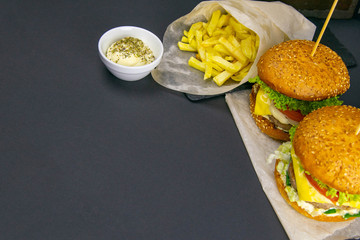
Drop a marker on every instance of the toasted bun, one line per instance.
(323, 217)
(288, 68)
(264, 124)
(328, 147)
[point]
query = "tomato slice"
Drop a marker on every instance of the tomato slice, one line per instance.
(293, 115)
(321, 189)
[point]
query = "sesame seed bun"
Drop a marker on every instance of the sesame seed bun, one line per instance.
(265, 125)
(281, 187)
(328, 147)
(290, 69)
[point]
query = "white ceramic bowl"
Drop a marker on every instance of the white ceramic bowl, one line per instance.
(125, 72)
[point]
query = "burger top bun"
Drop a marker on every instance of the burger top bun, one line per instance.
(289, 68)
(329, 148)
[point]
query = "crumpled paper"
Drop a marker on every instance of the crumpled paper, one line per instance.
(273, 22)
(259, 146)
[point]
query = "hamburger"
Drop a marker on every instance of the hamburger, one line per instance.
(318, 172)
(291, 83)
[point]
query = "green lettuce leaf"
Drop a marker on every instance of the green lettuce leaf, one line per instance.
(284, 102)
(292, 132)
(343, 197)
(346, 197)
(348, 215)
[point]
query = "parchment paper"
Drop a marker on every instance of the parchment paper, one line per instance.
(259, 146)
(274, 22)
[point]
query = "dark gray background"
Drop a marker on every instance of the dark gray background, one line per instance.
(84, 155)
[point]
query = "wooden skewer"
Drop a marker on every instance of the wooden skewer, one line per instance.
(324, 27)
(357, 130)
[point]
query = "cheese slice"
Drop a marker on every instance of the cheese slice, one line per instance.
(264, 107)
(262, 104)
(352, 204)
(306, 191)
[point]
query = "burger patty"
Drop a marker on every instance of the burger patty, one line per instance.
(278, 124)
(315, 204)
(329, 205)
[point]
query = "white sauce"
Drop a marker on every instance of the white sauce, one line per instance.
(130, 51)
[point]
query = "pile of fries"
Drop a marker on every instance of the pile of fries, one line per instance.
(225, 48)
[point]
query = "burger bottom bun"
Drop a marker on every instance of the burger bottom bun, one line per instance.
(264, 124)
(322, 218)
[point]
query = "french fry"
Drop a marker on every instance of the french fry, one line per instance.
(215, 66)
(211, 51)
(193, 62)
(235, 52)
(205, 37)
(205, 25)
(243, 72)
(247, 47)
(192, 30)
(229, 30)
(186, 47)
(221, 78)
(192, 43)
(223, 20)
(232, 39)
(219, 32)
(198, 37)
(202, 53)
(184, 39)
(229, 58)
(213, 22)
(225, 49)
(210, 42)
(238, 27)
(228, 66)
(200, 48)
(242, 36)
(221, 49)
(209, 54)
(208, 71)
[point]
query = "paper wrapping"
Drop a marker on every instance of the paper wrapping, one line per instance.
(259, 146)
(273, 22)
